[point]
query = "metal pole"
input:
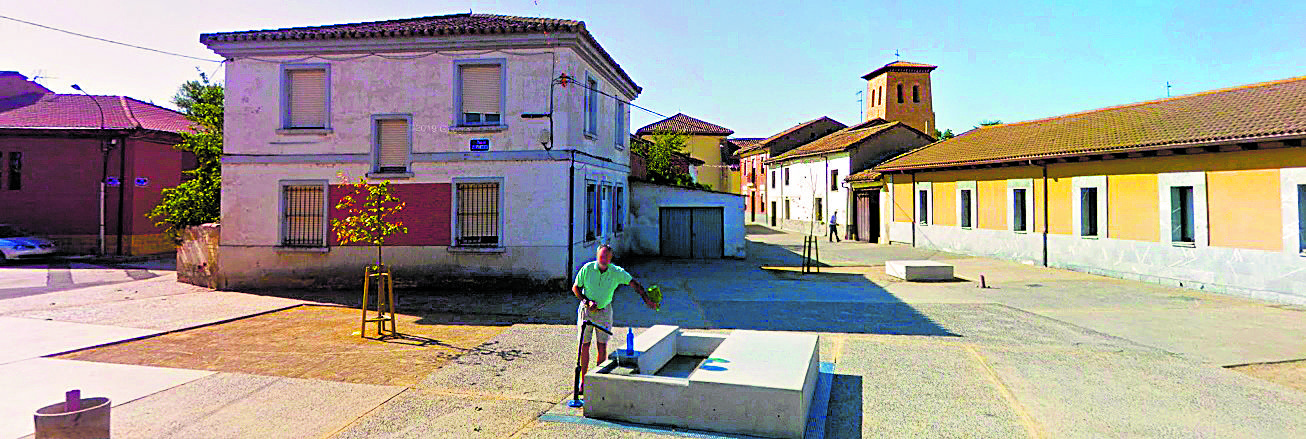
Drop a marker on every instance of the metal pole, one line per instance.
(104, 170)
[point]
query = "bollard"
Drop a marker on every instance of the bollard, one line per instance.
(79, 418)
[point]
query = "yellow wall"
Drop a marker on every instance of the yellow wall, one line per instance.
(1131, 207)
(1243, 195)
(945, 203)
(992, 204)
(1244, 209)
(708, 149)
(1060, 218)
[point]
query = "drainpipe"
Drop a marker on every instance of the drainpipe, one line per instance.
(571, 215)
(1045, 213)
(122, 188)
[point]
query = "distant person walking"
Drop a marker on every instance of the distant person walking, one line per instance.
(595, 284)
(834, 227)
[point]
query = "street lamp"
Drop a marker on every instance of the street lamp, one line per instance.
(105, 147)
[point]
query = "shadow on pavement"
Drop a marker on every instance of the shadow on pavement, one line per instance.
(754, 229)
(845, 417)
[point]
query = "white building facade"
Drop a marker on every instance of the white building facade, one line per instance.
(505, 137)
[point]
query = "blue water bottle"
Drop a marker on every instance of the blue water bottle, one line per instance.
(630, 342)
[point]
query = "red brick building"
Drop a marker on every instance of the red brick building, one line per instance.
(752, 156)
(54, 150)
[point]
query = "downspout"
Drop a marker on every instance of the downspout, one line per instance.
(122, 188)
(1045, 213)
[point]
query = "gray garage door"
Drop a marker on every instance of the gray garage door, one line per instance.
(692, 232)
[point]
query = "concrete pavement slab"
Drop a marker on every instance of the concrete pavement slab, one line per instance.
(166, 313)
(166, 285)
(29, 338)
(425, 414)
(535, 362)
(1087, 394)
(24, 276)
(918, 390)
(87, 273)
(228, 405)
(38, 382)
(1222, 336)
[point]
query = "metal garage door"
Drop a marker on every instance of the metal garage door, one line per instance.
(692, 232)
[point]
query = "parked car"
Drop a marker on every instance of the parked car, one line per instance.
(18, 244)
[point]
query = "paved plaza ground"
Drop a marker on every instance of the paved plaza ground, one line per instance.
(1040, 353)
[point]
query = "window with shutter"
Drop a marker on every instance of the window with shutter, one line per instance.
(619, 129)
(591, 106)
(393, 145)
(307, 98)
(1301, 216)
(482, 92)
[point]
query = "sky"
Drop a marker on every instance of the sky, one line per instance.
(756, 67)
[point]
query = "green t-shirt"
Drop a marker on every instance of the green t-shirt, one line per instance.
(599, 285)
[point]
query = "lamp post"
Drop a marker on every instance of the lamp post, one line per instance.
(105, 147)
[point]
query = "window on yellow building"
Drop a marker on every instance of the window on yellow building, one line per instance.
(1088, 211)
(966, 209)
(1020, 216)
(923, 206)
(1182, 226)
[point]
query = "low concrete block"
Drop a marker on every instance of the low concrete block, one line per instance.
(918, 270)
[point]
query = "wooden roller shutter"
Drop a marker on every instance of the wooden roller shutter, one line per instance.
(393, 145)
(481, 89)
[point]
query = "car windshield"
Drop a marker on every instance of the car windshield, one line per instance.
(7, 231)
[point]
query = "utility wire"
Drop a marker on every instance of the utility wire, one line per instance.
(107, 40)
(568, 80)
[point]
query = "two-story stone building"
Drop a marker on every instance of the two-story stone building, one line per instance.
(505, 136)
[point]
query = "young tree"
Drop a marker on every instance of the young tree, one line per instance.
(659, 153)
(369, 208)
(198, 199)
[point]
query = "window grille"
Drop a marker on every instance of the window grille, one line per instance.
(478, 214)
(303, 221)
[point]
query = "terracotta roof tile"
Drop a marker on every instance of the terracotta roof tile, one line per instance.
(769, 140)
(680, 123)
(1247, 112)
(79, 111)
(900, 66)
(438, 25)
(867, 175)
(837, 141)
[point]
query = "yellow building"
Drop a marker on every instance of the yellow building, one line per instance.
(705, 142)
(1204, 191)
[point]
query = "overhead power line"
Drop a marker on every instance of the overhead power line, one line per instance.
(108, 40)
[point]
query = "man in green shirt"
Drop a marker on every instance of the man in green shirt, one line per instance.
(595, 283)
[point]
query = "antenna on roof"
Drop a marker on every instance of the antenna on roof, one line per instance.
(897, 55)
(1167, 89)
(861, 115)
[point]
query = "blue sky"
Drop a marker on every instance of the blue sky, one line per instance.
(756, 67)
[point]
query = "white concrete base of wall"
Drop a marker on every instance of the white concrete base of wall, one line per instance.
(775, 373)
(918, 270)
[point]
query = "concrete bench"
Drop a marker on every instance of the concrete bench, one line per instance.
(918, 270)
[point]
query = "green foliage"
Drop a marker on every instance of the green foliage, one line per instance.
(369, 207)
(197, 200)
(944, 135)
(659, 152)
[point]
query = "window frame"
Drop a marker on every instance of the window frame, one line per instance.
(786, 169)
(619, 208)
(376, 144)
(788, 212)
(1078, 185)
(283, 225)
(834, 180)
(12, 171)
(963, 199)
(924, 194)
(285, 70)
(591, 210)
(773, 186)
(460, 116)
(1027, 185)
(1291, 181)
(499, 212)
(1197, 180)
(619, 131)
(592, 106)
(900, 93)
(916, 94)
